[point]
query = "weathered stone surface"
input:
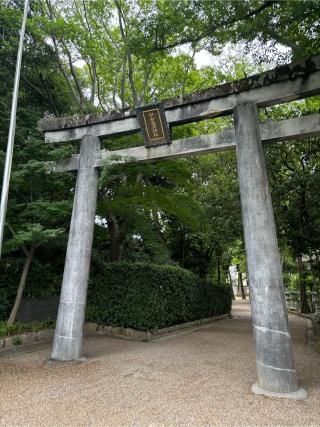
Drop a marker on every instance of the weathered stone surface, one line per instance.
(274, 356)
(12, 342)
(90, 327)
(117, 330)
(185, 325)
(67, 342)
(298, 128)
(129, 332)
(140, 335)
(88, 119)
(291, 71)
(45, 334)
(300, 394)
(29, 338)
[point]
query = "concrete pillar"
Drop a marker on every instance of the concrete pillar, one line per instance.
(67, 342)
(274, 356)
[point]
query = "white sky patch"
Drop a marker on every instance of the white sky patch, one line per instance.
(79, 63)
(271, 53)
(99, 220)
(204, 59)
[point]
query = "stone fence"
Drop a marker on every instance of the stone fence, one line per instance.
(293, 301)
(93, 329)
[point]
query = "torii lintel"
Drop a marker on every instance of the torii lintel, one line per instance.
(290, 82)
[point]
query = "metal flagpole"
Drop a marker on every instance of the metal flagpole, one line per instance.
(12, 128)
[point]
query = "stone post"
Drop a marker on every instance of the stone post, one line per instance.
(274, 356)
(67, 342)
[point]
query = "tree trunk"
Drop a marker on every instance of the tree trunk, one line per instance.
(219, 271)
(116, 243)
(243, 295)
(116, 250)
(183, 254)
(314, 276)
(158, 229)
(231, 284)
(117, 237)
(21, 286)
(304, 306)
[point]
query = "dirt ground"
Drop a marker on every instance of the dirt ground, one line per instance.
(198, 378)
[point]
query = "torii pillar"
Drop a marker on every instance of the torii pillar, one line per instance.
(274, 356)
(67, 341)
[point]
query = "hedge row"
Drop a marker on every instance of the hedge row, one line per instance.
(148, 296)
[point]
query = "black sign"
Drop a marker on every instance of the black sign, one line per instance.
(154, 125)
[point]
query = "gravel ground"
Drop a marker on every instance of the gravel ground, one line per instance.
(199, 378)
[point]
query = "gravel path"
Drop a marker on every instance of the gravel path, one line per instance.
(199, 378)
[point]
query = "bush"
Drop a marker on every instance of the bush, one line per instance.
(19, 328)
(148, 296)
(16, 328)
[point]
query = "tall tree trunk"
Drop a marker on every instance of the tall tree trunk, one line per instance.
(183, 254)
(116, 241)
(117, 236)
(231, 284)
(219, 270)
(22, 285)
(243, 295)
(116, 249)
(304, 306)
(314, 276)
(158, 228)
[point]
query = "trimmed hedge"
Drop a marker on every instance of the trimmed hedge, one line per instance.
(148, 296)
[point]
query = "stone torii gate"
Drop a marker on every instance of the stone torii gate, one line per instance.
(274, 357)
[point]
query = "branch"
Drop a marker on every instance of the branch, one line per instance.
(23, 248)
(80, 98)
(131, 81)
(37, 90)
(99, 94)
(122, 87)
(75, 77)
(224, 23)
(285, 162)
(123, 31)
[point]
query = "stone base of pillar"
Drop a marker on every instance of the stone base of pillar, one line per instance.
(66, 348)
(53, 362)
(300, 394)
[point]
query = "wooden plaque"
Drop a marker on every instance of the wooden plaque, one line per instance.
(154, 125)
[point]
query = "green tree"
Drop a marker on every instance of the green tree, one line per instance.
(38, 202)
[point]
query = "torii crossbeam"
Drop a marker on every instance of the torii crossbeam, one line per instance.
(275, 365)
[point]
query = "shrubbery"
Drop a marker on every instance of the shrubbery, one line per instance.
(20, 328)
(149, 296)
